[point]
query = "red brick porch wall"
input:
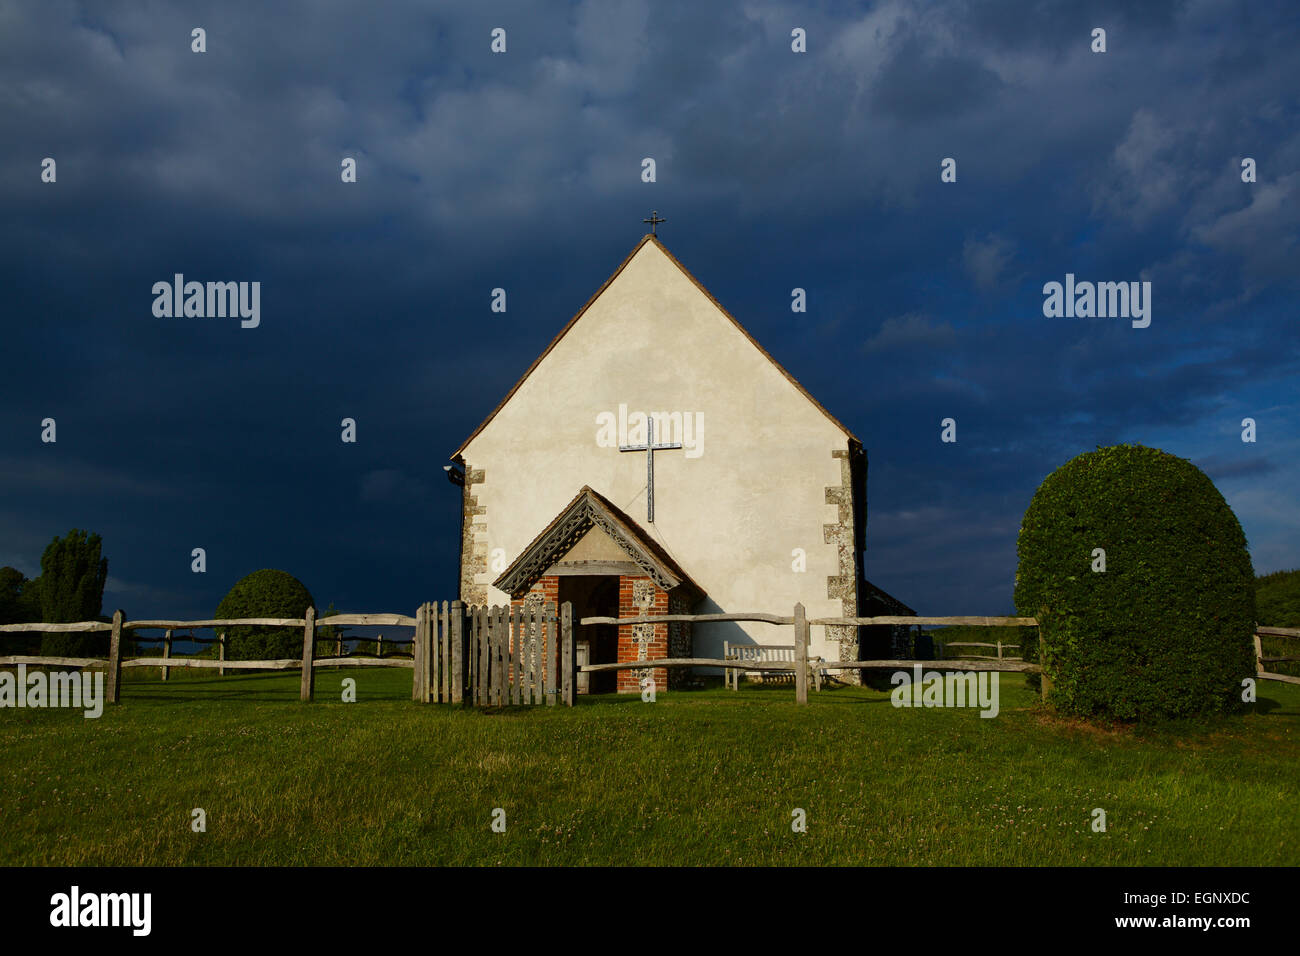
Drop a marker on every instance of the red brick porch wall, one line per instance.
(629, 681)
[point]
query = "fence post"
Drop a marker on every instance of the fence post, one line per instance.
(115, 658)
(482, 638)
(429, 672)
(487, 625)
(537, 650)
(433, 655)
(567, 650)
(500, 623)
(800, 655)
(470, 614)
(437, 640)
(433, 666)
(429, 639)
(514, 640)
(550, 655)
(533, 677)
(492, 681)
(455, 618)
(485, 656)
(167, 651)
(503, 655)
(221, 652)
(439, 690)
(308, 685)
(1259, 655)
(417, 653)
(507, 663)
(443, 632)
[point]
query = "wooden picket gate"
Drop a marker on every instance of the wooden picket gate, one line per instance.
(494, 656)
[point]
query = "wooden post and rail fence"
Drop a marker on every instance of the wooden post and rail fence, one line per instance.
(1261, 660)
(472, 655)
(802, 625)
(119, 626)
(523, 654)
(1000, 646)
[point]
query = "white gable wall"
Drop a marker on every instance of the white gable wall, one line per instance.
(730, 517)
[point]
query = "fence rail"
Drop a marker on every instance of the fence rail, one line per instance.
(1000, 646)
(459, 654)
(1261, 660)
(493, 656)
(307, 663)
(1001, 662)
(802, 624)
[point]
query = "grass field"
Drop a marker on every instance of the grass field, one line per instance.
(701, 777)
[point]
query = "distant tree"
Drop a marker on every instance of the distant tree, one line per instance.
(328, 636)
(71, 588)
(265, 593)
(19, 604)
(11, 591)
(1277, 599)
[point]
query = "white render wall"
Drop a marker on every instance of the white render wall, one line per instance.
(730, 517)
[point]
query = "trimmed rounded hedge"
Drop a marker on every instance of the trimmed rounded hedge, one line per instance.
(1166, 630)
(265, 593)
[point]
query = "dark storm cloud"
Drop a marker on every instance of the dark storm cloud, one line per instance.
(917, 86)
(522, 170)
(1219, 469)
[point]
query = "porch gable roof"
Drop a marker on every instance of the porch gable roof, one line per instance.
(590, 509)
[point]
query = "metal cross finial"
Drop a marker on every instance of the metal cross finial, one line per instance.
(650, 448)
(654, 221)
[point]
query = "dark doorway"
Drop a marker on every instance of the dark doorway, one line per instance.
(594, 596)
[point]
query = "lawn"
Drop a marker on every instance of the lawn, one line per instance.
(698, 777)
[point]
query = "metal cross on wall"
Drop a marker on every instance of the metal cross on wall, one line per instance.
(650, 448)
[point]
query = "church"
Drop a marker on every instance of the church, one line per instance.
(655, 459)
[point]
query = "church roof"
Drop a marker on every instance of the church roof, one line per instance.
(874, 601)
(590, 509)
(608, 282)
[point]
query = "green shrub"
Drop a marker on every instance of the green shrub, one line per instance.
(1166, 630)
(265, 593)
(20, 603)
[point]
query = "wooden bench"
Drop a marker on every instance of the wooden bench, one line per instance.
(766, 654)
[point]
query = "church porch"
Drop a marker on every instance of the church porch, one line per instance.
(598, 559)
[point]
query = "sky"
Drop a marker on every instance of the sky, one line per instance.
(522, 170)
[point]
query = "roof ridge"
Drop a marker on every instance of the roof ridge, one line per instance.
(650, 237)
